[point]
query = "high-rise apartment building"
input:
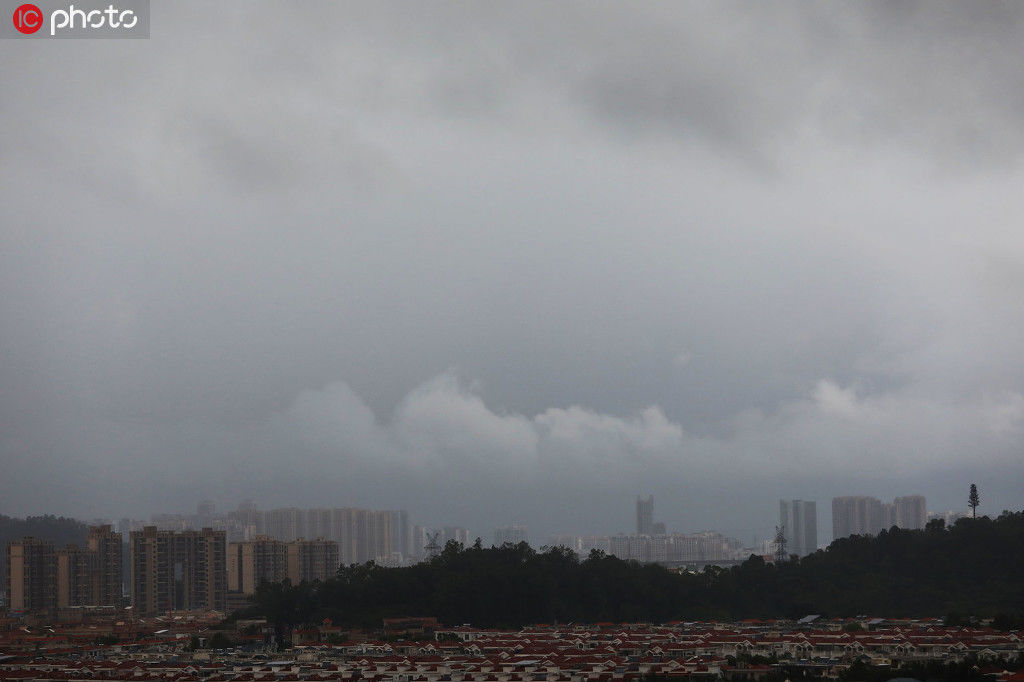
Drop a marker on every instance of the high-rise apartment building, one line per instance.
(419, 541)
(319, 523)
(174, 571)
(618, 546)
(77, 577)
(645, 515)
(205, 511)
(511, 535)
(109, 549)
(856, 515)
(41, 578)
(456, 533)
(249, 520)
(286, 524)
(400, 537)
(362, 534)
(799, 520)
(31, 575)
(381, 539)
(859, 515)
(888, 515)
(911, 512)
(344, 521)
(374, 536)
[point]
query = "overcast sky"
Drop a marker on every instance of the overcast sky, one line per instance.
(516, 262)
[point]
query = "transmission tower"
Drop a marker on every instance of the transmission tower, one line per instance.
(780, 544)
(432, 546)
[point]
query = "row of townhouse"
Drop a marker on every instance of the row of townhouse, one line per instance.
(402, 670)
(612, 653)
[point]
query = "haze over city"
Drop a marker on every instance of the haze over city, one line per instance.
(516, 263)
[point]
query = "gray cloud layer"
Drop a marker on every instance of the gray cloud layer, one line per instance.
(501, 262)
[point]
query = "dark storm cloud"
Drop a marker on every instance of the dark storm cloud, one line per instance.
(515, 261)
(942, 80)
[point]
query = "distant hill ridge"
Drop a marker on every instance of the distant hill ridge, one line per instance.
(59, 530)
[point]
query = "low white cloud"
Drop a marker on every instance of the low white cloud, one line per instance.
(444, 419)
(831, 398)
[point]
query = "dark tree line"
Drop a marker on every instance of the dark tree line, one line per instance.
(970, 669)
(972, 568)
(59, 530)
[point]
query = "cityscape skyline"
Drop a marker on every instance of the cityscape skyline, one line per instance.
(294, 523)
(178, 566)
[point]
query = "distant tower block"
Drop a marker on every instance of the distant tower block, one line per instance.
(205, 510)
(509, 535)
(911, 512)
(799, 519)
(645, 515)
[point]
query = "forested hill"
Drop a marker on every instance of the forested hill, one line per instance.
(973, 568)
(59, 530)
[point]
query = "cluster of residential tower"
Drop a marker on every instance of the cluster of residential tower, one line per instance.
(216, 562)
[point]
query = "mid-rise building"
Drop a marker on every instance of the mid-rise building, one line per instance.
(312, 560)
(254, 561)
(672, 548)
(265, 559)
(799, 520)
(175, 571)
